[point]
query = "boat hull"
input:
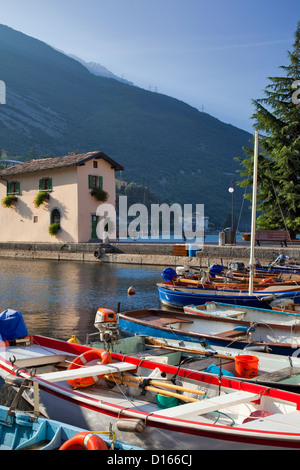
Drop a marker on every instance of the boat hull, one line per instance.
(158, 436)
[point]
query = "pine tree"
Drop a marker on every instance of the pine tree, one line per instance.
(277, 118)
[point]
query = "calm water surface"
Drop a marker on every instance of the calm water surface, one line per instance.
(60, 298)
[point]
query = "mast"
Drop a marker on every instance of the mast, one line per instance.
(253, 216)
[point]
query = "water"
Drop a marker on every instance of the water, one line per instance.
(60, 298)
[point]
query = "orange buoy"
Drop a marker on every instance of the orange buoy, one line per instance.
(84, 440)
(82, 360)
(268, 280)
(131, 290)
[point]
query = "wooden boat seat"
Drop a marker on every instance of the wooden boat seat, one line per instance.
(207, 405)
(232, 333)
(232, 313)
(89, 371)
(163, 321)
(278, 375)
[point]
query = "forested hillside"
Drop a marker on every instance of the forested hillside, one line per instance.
(55, 105)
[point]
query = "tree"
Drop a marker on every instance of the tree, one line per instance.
(277, 118)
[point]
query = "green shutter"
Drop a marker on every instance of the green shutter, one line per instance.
(100, 182)
(8, 187)
(41, 184)
(17, 187)
(49, 184)
(90, 182)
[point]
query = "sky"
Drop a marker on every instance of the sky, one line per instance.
(215, 55)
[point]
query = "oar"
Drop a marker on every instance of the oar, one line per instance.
(154, 389)
(189, 351)
(164, 384)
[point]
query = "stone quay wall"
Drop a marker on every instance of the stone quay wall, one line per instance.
(156, 254)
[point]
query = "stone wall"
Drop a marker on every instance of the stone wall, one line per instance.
(145, 253)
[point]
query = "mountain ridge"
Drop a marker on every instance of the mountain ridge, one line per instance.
(98, 69)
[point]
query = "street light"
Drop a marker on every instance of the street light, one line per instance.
(231, 190)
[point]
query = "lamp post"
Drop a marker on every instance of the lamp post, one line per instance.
(231, 190)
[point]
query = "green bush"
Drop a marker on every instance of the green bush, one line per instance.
(54, 229)
(99, 194)
(9, 201)
(40, 198)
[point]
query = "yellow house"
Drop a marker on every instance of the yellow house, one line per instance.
(67, 186)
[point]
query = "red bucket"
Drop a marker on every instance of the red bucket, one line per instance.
(246, 366)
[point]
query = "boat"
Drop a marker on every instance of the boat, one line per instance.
(276, 316)
(273, 370)
(153, 405)
(21, 430)
(218, 276)
(158, 406)
(262, 367)
(178, 297)
(280, 265)
(217, 330)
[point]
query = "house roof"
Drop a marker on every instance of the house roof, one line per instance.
(73, 159)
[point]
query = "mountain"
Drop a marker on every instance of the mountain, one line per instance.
(56, 105)
(99, 70)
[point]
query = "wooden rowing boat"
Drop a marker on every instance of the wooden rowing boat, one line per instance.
(202, 411)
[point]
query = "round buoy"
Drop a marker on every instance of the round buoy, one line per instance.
(73, 339)
(131, 290)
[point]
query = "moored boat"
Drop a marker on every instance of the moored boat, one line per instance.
(273, 370)
(158, 406)
(177, 296)
(220, 330)
(259, 366)
(21, 430)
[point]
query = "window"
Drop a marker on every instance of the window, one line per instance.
(55, 217)
(45, 184)
(35, 219)
(13, 187)
(95, 164)
(95, 181)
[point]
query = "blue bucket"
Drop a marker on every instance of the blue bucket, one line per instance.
(193, 250)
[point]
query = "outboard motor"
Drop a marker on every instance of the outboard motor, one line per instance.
(236, 266)
(281, 260)
(107, 324)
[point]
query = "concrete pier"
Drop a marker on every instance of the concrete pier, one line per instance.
(146, 254)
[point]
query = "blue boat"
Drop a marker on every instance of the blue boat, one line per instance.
(230, 326)
(280, 265)
(23, 431)
(179, 297)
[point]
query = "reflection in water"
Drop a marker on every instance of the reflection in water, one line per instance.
(60, 298)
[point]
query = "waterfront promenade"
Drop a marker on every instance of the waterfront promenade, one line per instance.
(145, 254)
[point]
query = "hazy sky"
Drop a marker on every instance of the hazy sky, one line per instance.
(215, 55)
